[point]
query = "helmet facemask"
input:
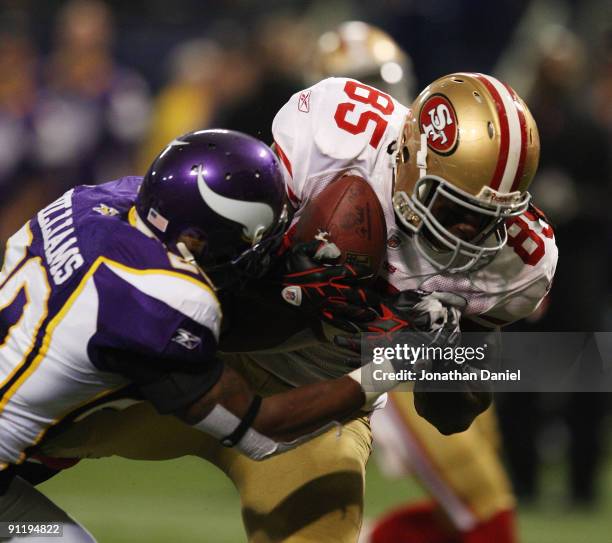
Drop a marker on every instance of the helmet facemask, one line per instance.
(454, 231)
(252, 263)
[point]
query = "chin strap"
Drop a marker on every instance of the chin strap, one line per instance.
(188, 257)
(421, 157)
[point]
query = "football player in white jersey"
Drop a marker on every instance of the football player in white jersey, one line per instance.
(462, 473)
(452, 174)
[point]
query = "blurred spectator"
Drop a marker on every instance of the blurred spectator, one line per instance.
(188, 100)
(83, 118)
(203, 77)
(18, 93)
(93, 111)
(574, 187)
(281, 51)
(18, 89)
(601, 104)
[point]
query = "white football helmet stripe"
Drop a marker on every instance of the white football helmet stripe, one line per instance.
(515, 136)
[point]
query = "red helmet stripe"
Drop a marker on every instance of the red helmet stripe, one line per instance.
(522, 121)
(504, 145)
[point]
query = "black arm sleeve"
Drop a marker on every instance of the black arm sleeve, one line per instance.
(170, 385)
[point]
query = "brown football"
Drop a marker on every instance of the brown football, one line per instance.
(349, 210)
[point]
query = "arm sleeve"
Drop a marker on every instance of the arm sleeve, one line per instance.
(168, 383)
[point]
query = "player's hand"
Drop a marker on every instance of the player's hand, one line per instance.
(322, 287)
(453, 410)
(452, 405)
(430, 317)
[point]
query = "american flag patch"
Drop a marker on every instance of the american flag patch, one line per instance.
(158, 220)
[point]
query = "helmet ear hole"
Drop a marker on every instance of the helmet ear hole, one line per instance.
(490, 130)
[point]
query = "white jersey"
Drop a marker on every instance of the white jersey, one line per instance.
(341, 125)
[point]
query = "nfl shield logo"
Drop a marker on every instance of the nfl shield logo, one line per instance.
(292, 295)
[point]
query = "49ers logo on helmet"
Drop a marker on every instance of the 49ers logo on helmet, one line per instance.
(438, 122)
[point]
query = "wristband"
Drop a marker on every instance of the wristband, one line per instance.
(383, 387)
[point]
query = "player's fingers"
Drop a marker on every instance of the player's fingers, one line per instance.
(358, 272)
(343, 309)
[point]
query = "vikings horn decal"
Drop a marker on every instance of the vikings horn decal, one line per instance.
(255, 217)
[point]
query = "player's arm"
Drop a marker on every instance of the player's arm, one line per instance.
(218, 401)
(262, 427)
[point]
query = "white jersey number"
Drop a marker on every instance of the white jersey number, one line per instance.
(31, 279)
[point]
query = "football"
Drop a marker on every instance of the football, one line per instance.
(350, 212)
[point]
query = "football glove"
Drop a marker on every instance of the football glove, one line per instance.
(330, 291)
(430, 318)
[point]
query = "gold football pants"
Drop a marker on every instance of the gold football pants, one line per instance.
(313, 493)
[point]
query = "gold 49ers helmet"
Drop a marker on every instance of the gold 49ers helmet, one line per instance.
(467, 154)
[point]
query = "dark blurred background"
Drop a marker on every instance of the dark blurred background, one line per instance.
(91, 90)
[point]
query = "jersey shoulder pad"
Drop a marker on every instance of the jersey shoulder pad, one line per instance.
(337, 124)
(142, 267)
(531, 238)
(176, 290)
(154, 312)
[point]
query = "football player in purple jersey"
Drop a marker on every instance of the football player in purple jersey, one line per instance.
(110, 294)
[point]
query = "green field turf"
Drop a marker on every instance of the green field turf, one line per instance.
(188, 500)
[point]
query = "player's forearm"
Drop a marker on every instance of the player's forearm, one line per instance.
(263, 428)
(292, 414)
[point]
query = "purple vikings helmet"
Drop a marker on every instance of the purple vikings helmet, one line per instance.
(221, 194)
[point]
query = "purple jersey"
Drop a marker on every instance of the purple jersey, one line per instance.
(91, 303)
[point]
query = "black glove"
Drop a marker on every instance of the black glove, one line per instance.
(325, 289)
(430, 318)
(453, 410)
